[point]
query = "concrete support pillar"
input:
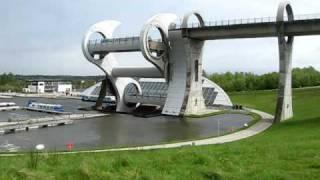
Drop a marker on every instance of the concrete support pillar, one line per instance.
(194, 102)
(284, 103)
(185, 73)
(102, 95)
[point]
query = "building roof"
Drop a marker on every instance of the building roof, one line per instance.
(47, 80)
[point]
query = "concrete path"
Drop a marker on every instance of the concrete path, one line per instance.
(259, 127)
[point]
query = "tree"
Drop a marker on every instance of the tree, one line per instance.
(240, 81)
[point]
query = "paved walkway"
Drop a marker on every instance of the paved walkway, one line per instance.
(259, 127)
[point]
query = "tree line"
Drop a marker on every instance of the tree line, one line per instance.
(238, 81)
(15, 83)
(244, 81)
(9, 82)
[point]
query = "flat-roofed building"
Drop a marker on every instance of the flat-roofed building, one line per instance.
(48, 86)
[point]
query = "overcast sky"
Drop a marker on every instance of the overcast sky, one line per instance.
(44, 37)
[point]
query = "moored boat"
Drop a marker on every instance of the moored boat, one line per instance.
(6, 147)
(5, 97)
(7, 106)
(42, 107)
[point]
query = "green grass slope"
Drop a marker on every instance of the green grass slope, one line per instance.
(290, 150)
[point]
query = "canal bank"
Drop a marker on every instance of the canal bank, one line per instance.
(263, 124)
(117, 130)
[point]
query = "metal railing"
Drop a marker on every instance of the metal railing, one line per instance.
(230, 22)
(120, 40)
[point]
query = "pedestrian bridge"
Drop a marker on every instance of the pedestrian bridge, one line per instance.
(299, 25)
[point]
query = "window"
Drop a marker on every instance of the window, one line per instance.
(196, 70)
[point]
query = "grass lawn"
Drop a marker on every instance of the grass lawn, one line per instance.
(290, 150)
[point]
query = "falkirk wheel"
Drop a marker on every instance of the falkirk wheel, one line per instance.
(177, 57)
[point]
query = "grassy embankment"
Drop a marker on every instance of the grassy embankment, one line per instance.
(290, 150)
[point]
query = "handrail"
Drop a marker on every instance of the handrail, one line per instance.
(255, 20)
(228, 22)
(120, 40)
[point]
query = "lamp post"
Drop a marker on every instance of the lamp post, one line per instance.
(218, 127)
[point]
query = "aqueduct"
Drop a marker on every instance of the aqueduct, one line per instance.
(177, 57)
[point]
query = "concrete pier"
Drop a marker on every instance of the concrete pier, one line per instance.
(12, 127)
(43, 122)
(284, 102)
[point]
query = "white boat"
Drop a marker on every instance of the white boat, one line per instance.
(6, 106)
(9, 147)
(42, 107)
(5, 97)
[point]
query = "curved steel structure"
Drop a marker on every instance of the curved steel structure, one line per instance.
(181, 70)
(107, 62)
(178, 56)
(284, 102)
(187, 16)
(162, 22)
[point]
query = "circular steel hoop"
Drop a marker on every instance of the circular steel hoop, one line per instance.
(284, 7)
(188, 15)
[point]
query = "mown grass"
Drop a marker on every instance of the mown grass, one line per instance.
(289, 150)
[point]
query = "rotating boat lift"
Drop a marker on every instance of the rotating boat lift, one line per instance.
(178, 60)
(178, 56)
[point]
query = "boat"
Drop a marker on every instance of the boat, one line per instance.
(5, 97)
(7, 106)
(42, 107)
(8, 147)
(93, 98)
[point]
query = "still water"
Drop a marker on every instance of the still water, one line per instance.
(116, 129)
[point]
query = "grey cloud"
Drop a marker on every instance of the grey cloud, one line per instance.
(43, 37)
